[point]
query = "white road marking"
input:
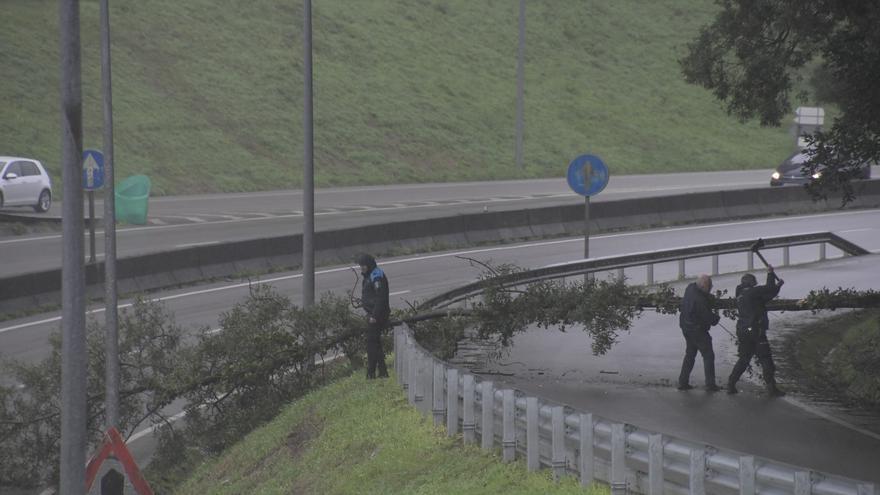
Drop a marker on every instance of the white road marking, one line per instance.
(297, 214)
(192, 244)
(447, 255)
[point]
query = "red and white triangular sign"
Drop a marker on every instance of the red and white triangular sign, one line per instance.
(113, 444)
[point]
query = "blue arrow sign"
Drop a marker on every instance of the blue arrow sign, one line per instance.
(587, 175)
(93, 170)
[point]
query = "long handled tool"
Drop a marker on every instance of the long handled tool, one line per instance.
(755, 249)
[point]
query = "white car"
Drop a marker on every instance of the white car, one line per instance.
(24, 182)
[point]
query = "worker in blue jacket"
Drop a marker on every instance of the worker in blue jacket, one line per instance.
(374, 300)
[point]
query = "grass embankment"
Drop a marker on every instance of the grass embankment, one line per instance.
(838, 357)
(208, 94)
(363, 437)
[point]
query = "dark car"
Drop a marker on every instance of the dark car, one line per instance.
(791, 170)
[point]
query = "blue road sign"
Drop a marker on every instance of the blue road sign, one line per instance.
(587, 175)
(93, 170)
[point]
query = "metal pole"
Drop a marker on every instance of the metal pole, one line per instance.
(91, 196)
(308, 255)
(520, 84)
(73, 336)
(586, 227)
(111, 339)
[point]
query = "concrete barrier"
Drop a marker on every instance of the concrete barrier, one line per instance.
(254, 256)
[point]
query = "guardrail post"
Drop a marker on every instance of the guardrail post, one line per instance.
(697, 472)
(487, 425)
(508, 438)
(620, 274)
(412, 378)
(398, 335)
(533, 461)
(750, 261)
(650, 277)
(469, 424)
(585, 464)
(451, 402)
(404, 364)
(786, 255)
(558, 461)
(655, 464)
(867, 489)
(714, 265)
(747, 475)
(802, 485)
(439, 407)
(681, 269)
(426, 382)
(618, 459)
(821, 251)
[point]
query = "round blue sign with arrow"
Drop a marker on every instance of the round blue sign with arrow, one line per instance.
(587, 175)
(93, 170)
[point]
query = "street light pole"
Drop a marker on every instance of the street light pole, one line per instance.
(308, 254)
(520, 84)
(111, 339)
(73, 336)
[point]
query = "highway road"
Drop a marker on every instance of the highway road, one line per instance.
(182, 221)
(634, 382)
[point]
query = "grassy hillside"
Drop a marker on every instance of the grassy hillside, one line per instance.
(208, 93)
(362, 437)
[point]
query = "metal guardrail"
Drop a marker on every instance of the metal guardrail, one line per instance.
(570, 442)
(651, 258)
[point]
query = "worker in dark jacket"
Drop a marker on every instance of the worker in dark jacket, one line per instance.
(374, 299)
(695, 319)
(751, 329)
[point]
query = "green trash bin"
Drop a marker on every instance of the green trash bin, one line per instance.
(131, 199)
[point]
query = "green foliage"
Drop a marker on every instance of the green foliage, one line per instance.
(755, 52)
(30, 413)
(355, 436)
(232, 380)
(207, 94)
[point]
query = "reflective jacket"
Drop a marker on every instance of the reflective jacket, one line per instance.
(374, 294)
(751, 304)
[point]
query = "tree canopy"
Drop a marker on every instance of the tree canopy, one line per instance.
(760, 56)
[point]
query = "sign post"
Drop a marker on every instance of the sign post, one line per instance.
(92, 178)
(587, 176)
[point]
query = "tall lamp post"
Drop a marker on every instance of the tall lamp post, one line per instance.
(73, 336)
(111, 340)
(308, 251)
(520, 84)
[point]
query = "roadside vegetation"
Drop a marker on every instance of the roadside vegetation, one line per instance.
(355, 436)
(208, 94)
(837, 357)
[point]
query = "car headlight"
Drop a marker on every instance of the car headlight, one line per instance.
(817, 175)
(775, 175)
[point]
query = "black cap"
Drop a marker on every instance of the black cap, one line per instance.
(364, 259)
(749, 280)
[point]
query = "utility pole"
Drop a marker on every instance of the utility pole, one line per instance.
(308, 251)
(73, 336)
(111, 339)
(520, 84)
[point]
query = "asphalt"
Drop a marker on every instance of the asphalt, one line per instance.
(635, 383)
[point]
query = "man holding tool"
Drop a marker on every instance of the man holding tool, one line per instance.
(752, 325)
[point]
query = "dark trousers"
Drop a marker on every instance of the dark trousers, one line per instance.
(749, 344)
(702, 342)
(375, 353)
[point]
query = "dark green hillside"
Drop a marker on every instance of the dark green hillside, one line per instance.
(208, 93)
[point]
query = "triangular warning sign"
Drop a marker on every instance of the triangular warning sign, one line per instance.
(113, 444)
